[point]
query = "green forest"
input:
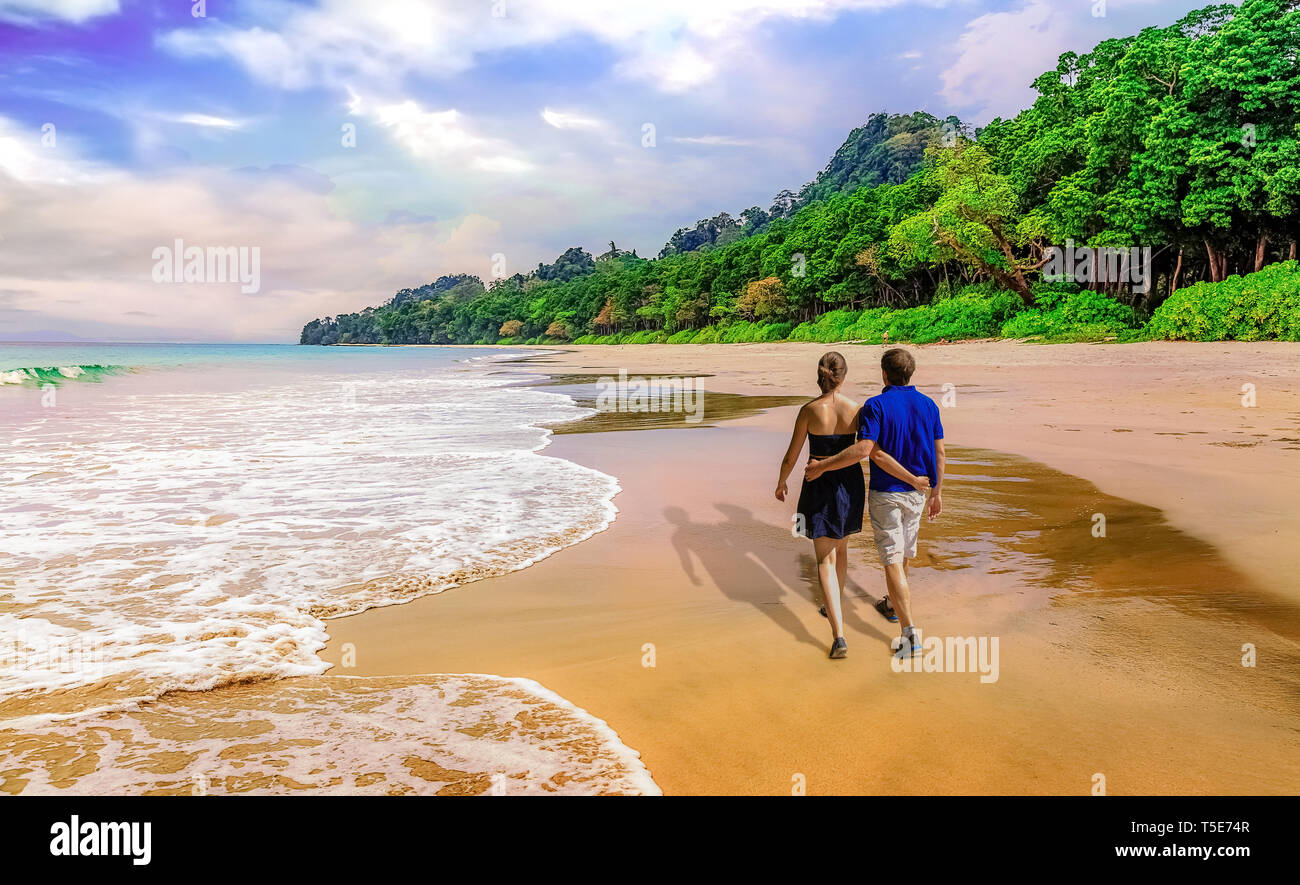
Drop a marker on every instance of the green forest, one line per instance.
(1182, 139)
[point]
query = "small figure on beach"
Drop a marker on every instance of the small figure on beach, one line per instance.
(831, 503)
(899, 431)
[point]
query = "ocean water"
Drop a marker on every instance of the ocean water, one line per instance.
(183, 517)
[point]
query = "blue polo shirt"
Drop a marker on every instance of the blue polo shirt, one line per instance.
(905, 423)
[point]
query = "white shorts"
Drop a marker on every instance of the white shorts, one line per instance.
(895, 523)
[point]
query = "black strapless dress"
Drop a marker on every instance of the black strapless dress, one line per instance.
(831, 505)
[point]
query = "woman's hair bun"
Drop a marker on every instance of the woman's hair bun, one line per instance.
(831, 369)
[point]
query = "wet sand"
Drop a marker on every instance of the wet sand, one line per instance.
(691, 628)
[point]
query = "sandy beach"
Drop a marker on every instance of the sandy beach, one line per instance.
(690, 625)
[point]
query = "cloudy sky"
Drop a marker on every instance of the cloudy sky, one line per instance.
(368, 145)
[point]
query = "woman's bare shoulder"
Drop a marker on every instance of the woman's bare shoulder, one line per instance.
(814, 408)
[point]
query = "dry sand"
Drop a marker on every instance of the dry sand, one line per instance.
(1119, 656)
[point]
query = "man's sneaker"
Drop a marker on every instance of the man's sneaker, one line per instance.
(839, 649)
(883, 606)
(906, 647)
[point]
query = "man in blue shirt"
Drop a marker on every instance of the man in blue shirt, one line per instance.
(901, 425)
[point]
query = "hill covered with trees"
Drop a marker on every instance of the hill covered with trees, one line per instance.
(1182, 139)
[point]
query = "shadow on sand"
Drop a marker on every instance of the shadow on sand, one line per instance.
(763, 565)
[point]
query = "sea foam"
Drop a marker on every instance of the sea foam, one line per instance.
(465, 734)
(191, 539)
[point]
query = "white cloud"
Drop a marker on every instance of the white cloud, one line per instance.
(354, 102)
(76, 11)
(563, 120)
(675, 44)
(509, 165)
(208, 122)
(27, 159)
(674, 69)
(445, 137)
(713, 140)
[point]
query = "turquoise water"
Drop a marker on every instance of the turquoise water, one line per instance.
(34, 364)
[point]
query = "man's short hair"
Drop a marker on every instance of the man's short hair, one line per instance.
(898, 366)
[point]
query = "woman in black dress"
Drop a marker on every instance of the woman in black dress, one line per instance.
(830, 507)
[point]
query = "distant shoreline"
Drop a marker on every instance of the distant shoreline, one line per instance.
(472, 346)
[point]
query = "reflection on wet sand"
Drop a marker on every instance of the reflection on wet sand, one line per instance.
(715, 406)
(1010, 515)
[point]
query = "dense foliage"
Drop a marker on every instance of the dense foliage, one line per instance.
(1182, 139)
(1256, 307)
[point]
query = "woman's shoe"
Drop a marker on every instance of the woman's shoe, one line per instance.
(839, 649)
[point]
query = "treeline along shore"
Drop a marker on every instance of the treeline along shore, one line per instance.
(1151, 191)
